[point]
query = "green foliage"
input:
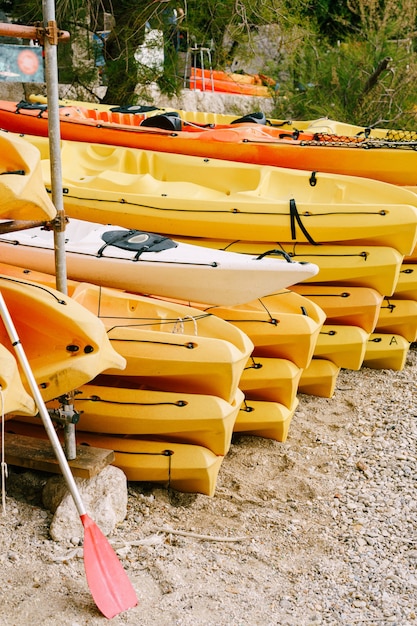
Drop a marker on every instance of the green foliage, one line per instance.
(369, 78)
(352, 60)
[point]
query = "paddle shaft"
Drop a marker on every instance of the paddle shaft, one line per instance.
(108, 582)
(43, 411)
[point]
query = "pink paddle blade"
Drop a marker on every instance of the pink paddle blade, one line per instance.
(109, 584)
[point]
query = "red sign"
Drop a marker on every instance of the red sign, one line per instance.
(27, 62)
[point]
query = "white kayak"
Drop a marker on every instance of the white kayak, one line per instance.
(147, 263)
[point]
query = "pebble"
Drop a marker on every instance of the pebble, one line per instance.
(375, 516)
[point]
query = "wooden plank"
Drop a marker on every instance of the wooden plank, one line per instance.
(38, 454)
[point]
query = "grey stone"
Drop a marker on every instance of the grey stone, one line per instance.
(104, 496)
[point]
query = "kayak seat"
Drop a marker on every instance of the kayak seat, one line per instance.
(133, 108)
(166, 121)
(136, 241)
(32, 106)
(256, 118)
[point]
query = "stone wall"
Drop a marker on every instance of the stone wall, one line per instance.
(188, 100)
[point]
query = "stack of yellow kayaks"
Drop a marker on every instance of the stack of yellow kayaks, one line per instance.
(344, 345)
(195, 373)
(174, 437)
(179, 390)
(270, 386)
(172, 347)
(351, 315)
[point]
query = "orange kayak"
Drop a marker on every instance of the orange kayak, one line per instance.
(243, 79)
(226, 84)
(390, 161)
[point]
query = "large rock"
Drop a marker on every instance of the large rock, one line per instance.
(104, 496)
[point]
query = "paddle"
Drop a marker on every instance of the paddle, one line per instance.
(108, 582)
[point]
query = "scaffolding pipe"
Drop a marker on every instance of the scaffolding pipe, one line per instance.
(30, 32)
(54, 131)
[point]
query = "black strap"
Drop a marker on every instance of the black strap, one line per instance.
(275, 252)
(294, 135)
(257, 118)
(278, 124)
(295, 218)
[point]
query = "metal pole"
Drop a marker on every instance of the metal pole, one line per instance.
(51, 73)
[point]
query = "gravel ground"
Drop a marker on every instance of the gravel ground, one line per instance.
(319, 530)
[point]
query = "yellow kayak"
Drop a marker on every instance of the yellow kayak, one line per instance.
(13, 396)
(265, 419)
(375, 267)
(386, 351)
(399, 317)
(270, 379)
(353, 306)
(22, 191)
(183, 195)
(180, 362)
(167, 346)
(319, 378)
(196, 419)
(342, 344)
(284, 325)
(184, 467)
(65, 344)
